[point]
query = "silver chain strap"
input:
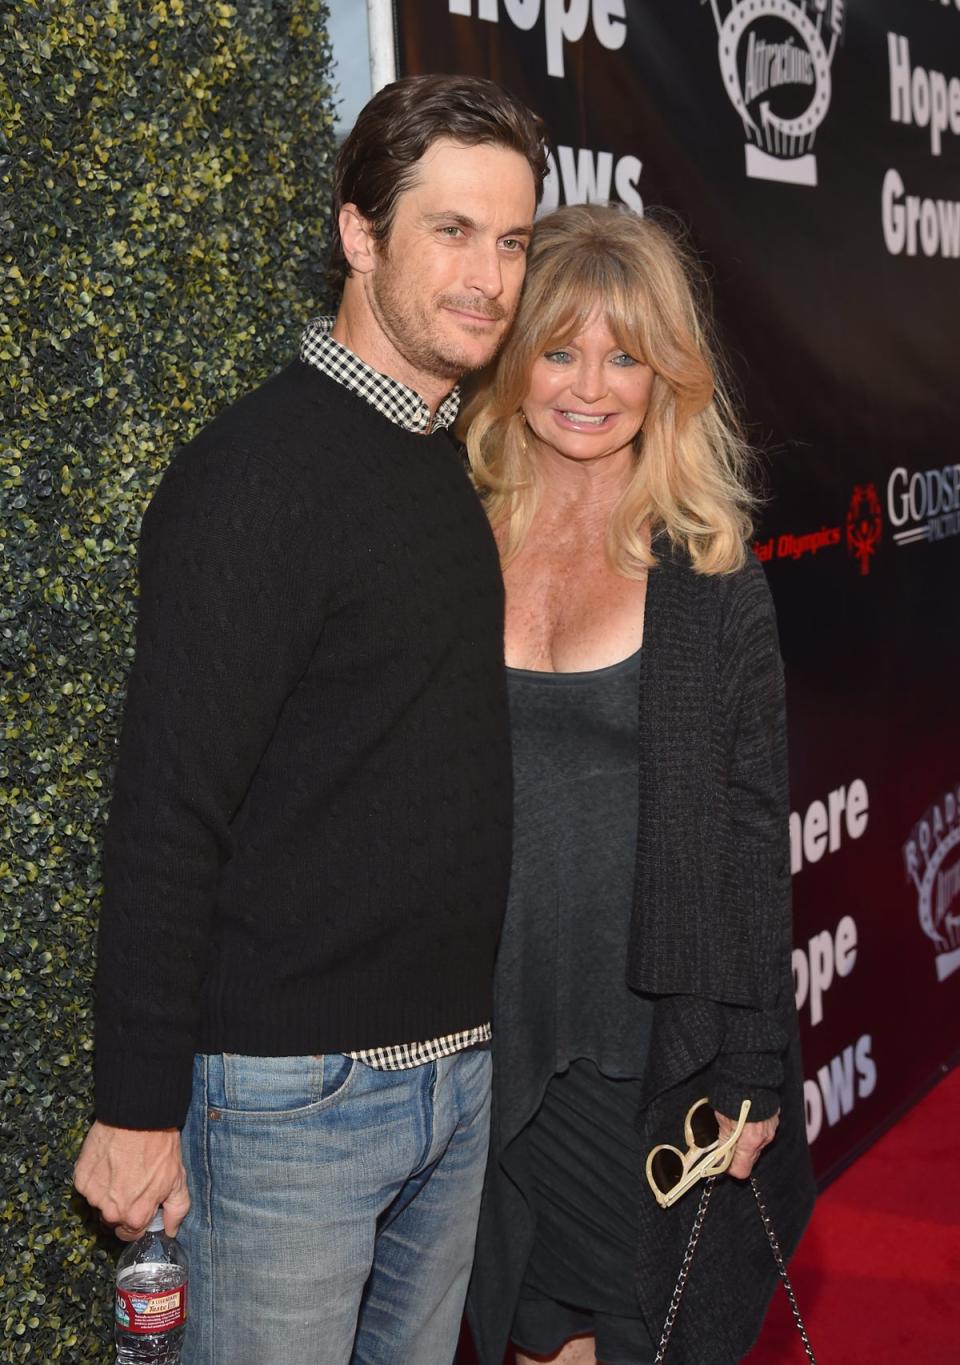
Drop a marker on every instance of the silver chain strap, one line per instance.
(681, 1283)
(781, 1266)
(684, 1274)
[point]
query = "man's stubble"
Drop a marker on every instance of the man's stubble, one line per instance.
(414, 329)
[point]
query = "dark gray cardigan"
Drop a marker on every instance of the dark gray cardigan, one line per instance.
(710, 942)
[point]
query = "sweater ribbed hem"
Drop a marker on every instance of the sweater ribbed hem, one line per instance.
(135, 1090)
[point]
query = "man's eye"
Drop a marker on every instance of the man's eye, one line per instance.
(513, 244)
(451, 230)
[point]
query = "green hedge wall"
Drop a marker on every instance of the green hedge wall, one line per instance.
(164, 183)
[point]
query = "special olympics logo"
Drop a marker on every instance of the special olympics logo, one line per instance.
(864, 524)
(778, 80)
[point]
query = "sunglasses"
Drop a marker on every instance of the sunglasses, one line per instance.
(671, 1172)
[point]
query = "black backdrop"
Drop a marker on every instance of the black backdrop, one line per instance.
(812, 149)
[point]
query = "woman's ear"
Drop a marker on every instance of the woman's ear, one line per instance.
(357, 239)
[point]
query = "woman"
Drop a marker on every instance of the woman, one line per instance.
(645, 960)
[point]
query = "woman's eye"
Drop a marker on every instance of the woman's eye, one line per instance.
(558, 357)
(624, 360)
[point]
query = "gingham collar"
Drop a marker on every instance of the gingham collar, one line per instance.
(394, 400)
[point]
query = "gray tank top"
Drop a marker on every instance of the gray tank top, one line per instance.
(575, 760)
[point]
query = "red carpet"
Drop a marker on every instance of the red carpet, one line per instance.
(877, 1276)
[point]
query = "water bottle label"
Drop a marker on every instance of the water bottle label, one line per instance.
(151, 1313)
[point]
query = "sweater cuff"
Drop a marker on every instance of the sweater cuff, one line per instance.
(728, 1099)
(753, 1076)
(135, 1090)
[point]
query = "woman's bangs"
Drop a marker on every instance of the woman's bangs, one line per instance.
(571, 299)
(563, 311)
(625, 308)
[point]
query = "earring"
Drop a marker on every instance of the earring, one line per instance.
(523, 430)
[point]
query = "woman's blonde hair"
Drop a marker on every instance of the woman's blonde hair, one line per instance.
(692, 461)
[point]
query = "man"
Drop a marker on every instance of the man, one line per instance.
(307, 854)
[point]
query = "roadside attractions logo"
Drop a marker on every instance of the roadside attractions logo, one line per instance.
(932, 860)
(775, 58)
(862, 530)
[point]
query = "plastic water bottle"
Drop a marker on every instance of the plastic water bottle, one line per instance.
(151, 1299)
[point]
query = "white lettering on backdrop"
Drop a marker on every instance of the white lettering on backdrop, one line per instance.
(924, 98)
(563, 21)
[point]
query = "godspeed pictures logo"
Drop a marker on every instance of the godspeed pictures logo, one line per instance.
(924, 505)
(932, 859)
(775, 59)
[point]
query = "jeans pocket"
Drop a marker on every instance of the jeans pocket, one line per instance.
(279, 1085)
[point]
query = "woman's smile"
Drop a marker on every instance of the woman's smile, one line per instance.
(587, 397)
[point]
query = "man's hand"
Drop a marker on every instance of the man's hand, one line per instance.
(750, 1143)
(127, 1173)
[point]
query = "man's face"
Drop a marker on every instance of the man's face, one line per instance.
(445, 284)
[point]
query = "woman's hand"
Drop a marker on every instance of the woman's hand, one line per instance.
(750, 1143)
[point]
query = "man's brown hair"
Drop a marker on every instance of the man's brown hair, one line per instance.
(378, 159)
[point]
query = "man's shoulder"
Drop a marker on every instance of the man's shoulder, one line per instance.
(282, 412)
(248, 453)
(287, 423)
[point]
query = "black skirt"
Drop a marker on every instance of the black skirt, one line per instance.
(586, 1167)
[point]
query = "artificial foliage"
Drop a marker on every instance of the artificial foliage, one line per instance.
(164, 183)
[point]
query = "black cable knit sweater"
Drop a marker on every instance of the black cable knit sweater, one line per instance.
(308, 848)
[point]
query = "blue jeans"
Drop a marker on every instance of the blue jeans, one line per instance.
(334, 1208)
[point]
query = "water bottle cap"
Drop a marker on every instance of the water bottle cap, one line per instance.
(156, 1222)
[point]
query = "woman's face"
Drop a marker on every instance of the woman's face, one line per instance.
(587, 399)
